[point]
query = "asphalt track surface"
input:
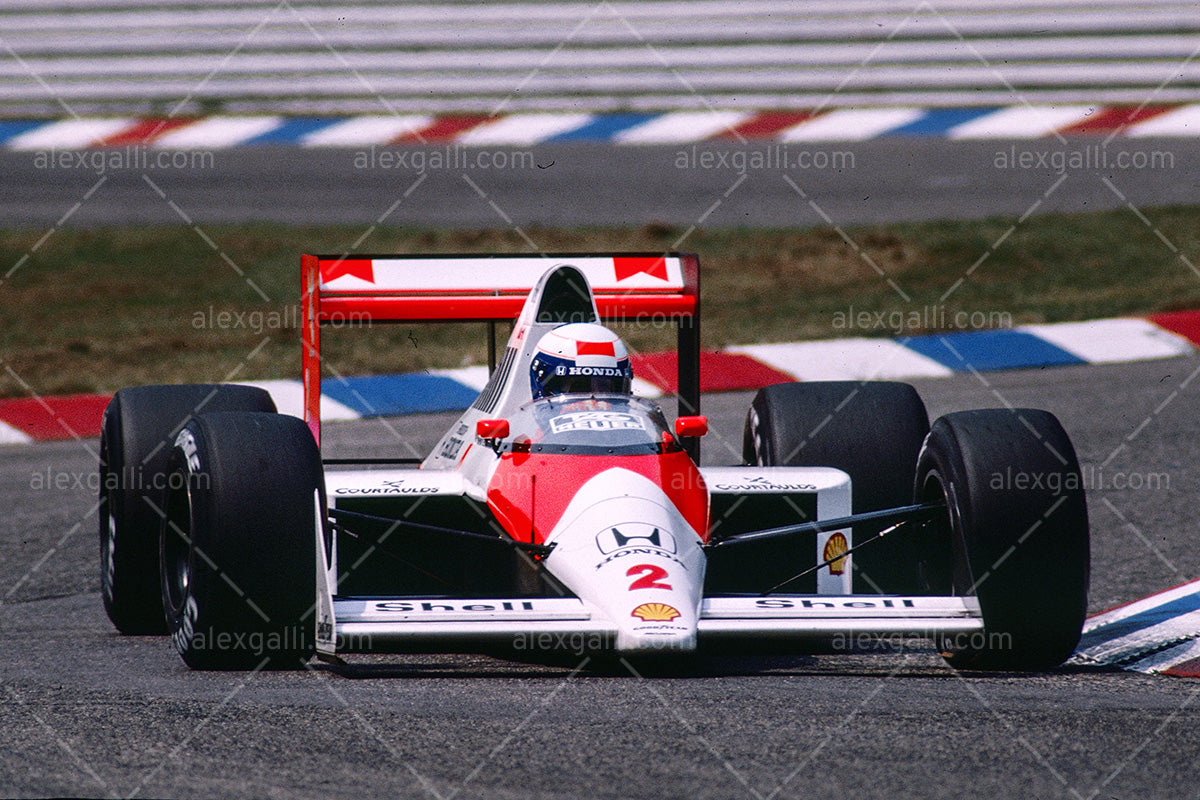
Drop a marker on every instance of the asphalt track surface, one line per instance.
(88, 712)
(712, 183)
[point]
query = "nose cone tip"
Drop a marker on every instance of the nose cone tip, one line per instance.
(667, 624)
(630, 641)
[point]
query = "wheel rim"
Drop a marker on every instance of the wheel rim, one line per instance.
(177, 545)
(935, 561)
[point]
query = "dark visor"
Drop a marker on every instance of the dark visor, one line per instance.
(587, 384)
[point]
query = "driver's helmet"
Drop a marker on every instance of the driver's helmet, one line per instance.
(580, 357)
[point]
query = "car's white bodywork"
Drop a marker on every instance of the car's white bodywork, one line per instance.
(623, 545)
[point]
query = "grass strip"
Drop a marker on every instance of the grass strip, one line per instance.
(95, 310)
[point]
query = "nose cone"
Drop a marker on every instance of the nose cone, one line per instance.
(629, 554)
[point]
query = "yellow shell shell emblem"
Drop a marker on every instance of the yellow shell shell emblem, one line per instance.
(835, 548)
(655, 612)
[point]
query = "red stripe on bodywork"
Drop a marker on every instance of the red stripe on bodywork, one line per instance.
(55, 418)
(766, 125)
(528, 493)
(719, 372)
(383, 308)
(310, 341)
(1110, 119)
(144, 132)
(1183, 323)
(441, 129)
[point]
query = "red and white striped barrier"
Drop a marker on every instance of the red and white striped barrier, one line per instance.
(678, 127)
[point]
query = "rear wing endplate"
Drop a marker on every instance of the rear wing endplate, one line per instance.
(628, 287)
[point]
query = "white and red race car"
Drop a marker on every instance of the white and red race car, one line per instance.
(579, 519)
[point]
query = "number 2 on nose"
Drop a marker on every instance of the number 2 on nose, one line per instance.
(651, 577)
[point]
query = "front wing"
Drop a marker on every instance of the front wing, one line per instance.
(435, 623)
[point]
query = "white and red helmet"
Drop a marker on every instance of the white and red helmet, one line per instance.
(580, 357)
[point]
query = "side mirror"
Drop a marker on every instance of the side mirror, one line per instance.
(690, 427)
(492, 429)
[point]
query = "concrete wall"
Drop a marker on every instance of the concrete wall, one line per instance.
(184, 57)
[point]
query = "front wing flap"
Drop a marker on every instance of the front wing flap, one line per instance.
(437, 623)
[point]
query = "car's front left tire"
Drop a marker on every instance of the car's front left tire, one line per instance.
(244, 513)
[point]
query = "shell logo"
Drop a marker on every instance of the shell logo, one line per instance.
(835, 549)
(655, 612)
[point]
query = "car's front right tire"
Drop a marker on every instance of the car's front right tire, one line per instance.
(871, 430)
(1014, 535)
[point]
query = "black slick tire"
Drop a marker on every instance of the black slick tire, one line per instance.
(137, 433)
(871, 430)
(1016, 532)
(238, 550)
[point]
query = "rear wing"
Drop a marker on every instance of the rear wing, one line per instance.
(628, 287)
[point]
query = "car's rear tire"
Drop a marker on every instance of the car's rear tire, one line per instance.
(244, 509)
(1015, 534)
(872, 431)
(137, 432)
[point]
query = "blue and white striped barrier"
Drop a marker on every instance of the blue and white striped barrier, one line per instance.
(1158, 634)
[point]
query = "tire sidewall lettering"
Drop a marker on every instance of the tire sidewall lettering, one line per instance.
(186, 442)
(110, 553)
(756, 436)
(184, 621)
(184, 632)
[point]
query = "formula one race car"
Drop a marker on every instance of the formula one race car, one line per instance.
(561, 512)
